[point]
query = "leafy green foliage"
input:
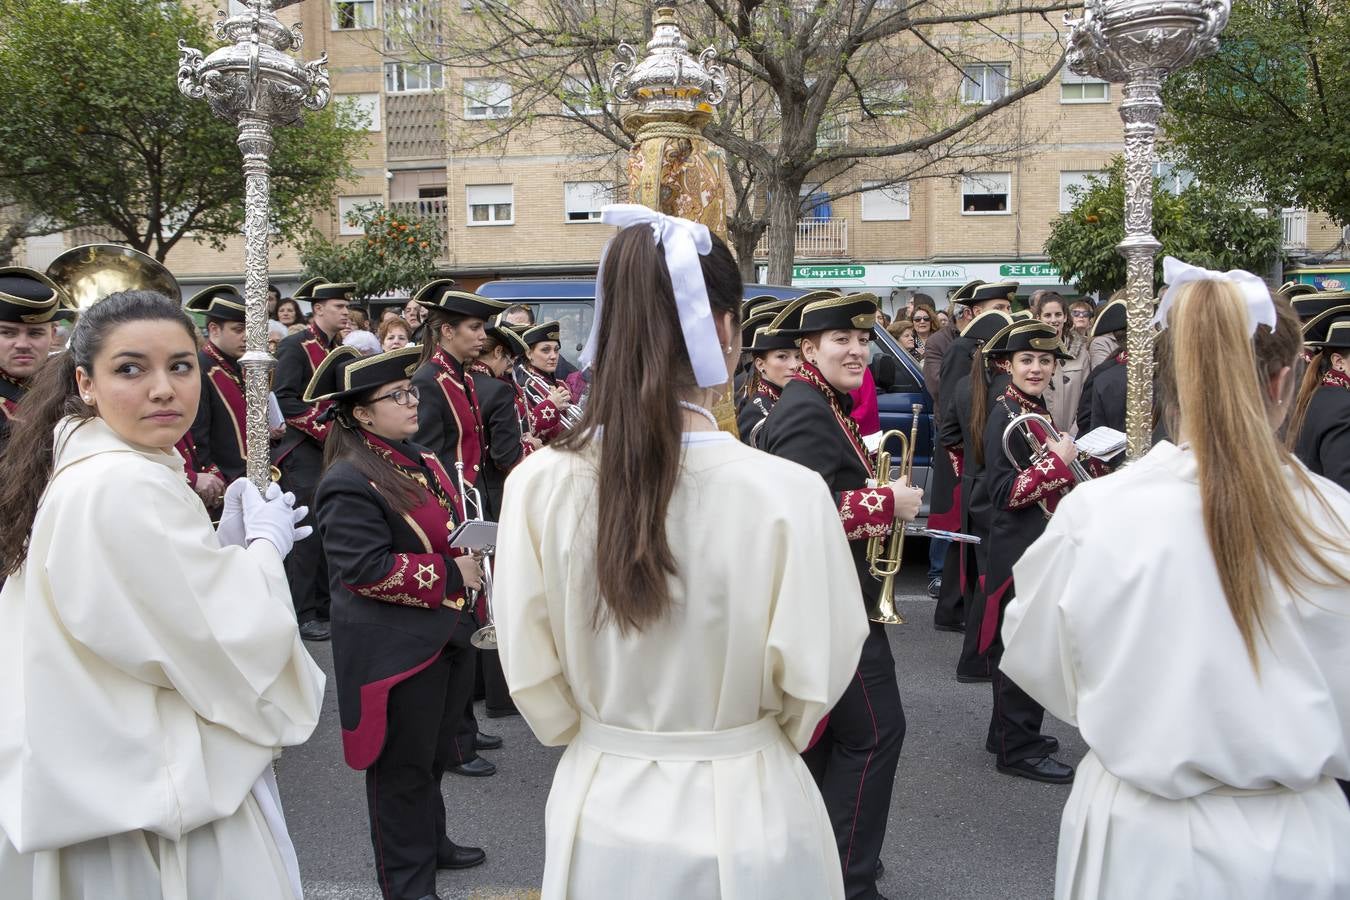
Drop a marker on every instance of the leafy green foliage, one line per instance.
(93, 129)
(1268, 113)
(397, 252)
(1202, 225)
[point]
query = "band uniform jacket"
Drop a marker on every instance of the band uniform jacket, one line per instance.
(1103, 400)
(1324, 440)
(11, 392)
(219, 431)
(755, 409)
(976, 510)
(944, 506)
(297, 357)
(398, 598)
(448, 419)
(545, 419)
(810, 426)
(1015, 493)
(503, 445)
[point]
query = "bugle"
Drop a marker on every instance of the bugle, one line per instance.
(471, 505)
(1021, 425)
(885, 555)
(537, 390)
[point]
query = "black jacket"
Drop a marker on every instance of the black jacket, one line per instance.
(219, 431)
(501, 437)
(1324, 441)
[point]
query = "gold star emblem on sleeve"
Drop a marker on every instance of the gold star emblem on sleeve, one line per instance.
(871, 501)
(426, 576)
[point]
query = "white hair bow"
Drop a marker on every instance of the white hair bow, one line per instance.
(684, 242)
(1260, 306)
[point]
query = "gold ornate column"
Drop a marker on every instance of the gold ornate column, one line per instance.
(672, 167)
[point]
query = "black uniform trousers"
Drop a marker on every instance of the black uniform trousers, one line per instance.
(1015, 726)
(306, 565)
(403, 787)
(854, 763)
(951, 602)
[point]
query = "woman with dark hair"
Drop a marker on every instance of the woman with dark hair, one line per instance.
(1203, 661)
(774, 360)
(1320, 426)
(667, 605)
(386, 510)
(854, 758)
(547, 397)
(924, 318)
(150, 666)
(289, 313)
(1066, 388)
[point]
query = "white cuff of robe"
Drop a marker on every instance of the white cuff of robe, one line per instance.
(683, 242)
(1260, 306)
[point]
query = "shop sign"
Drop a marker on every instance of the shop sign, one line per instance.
(1028, 270)
(828, 273)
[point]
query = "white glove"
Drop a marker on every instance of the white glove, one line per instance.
(274, 518)
(230, 531)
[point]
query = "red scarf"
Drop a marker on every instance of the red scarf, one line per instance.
(811, 375)
(1334, 378)
(228, 381)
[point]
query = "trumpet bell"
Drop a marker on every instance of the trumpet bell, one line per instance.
(885, 612)
(485, 638)
(90, 272)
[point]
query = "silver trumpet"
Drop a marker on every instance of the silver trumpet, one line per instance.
(537, 391)
(471, 504)
(1022, 425)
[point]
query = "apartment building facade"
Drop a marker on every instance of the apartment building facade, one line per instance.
(528, 204)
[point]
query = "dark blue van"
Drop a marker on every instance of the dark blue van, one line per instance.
(899, 378)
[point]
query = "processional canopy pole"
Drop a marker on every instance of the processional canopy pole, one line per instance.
(1139, 43)
(253, 83)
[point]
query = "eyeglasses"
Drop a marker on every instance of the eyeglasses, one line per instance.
(1081, 314)
(402, 396)
(921, 319)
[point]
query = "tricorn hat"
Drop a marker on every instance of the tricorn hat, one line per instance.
(1309, 306)
(965, 291)
(1026, 335)
(1110, 319)
(219, 301)
(544, 331)
(306, 290)
(504, 332)
(345, 372)
(756, 336)
(1291, 289)
(333, 290)
(826, 311)
(994, 290)
(1315, 330)
(1338, 334)
(987, 324)
(28, 296)
(441, 294)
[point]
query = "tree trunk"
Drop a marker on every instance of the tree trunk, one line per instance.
(744, 235)
(9, 239)
(784, 208)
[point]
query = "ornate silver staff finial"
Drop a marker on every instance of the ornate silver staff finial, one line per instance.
(253, 83)
(1139, 43)
(669, 80)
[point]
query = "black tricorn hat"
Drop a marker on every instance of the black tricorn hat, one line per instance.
(1338, 334)
(987, 324)
(219, 301)
(333, 290)
(1030, 335)
(1110, 319)
(441, 294)
(762, 303)
(306, 290)
(994, 290)
(544, 331)
(345, 372)
(826, 311)
(501, 330)
(1310, 306)
(28, 296)
(1291, 289)
(757, 338)
(1315, 329)
(965, 291)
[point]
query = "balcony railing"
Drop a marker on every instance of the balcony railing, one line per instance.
(1295, 223)
(816, 239)
(432, 209)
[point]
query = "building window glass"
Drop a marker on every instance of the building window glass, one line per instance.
(349, 15)
(885, 204)
(582, 199)
(365, 107)
(888, 97)
(486, 99)
(985, 82)
(412, 78)
(581, 97)
(349, 205)
(1075, 88)
(986, 193)
(1072, 187)
(490, 204)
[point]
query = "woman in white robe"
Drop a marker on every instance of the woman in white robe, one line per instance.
(1216, 726)
(684, 718)
(150, 667)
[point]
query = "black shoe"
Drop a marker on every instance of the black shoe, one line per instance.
(501, 712)
(1040, 768)
(486, 742)
(458, 857)
(935, 587)
(957, 626)
(973, 679)
(1049, 743)
(475, 768)
(315, 630)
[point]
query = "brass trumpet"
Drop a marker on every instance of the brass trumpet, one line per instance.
(885, 555)
(1022, 425)
(537, 391)
(471, 502)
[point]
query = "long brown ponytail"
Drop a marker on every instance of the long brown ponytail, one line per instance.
(979, 403)
(1215, 381)
(1312, 380)
(27, 463)
(641, 369)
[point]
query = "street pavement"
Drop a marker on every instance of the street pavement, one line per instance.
(958, 829)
